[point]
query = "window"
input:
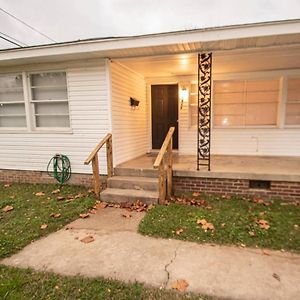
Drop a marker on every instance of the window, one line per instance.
(12, 105)
(49, 99)
(246, 102)
(292, 111)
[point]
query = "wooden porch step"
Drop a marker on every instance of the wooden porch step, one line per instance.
(132, 182)
(129, 195)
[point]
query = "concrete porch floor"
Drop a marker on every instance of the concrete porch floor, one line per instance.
(228, 166)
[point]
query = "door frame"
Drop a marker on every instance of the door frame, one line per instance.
(149, 100)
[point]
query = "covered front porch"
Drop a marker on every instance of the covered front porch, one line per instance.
(265, 168)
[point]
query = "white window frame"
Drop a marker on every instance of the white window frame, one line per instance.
(285, 99)
(19, 129)
(29, 109)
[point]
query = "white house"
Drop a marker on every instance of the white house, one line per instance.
(65, 97)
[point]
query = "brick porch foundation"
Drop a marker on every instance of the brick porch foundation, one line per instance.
(284, 190)
(42, 177)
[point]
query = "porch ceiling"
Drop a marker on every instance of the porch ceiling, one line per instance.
(234, 61)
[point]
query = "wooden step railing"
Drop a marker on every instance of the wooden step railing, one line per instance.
(93, 157)
(164, 164)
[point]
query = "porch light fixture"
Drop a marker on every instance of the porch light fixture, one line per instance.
(134, 103)
(184, 95)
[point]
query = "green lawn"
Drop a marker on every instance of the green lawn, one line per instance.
(27, 284)
(21, 226)
(235, 221)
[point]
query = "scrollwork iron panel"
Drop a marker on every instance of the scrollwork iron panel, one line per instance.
(204, 109)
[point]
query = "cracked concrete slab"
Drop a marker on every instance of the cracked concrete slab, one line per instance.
(118, 251)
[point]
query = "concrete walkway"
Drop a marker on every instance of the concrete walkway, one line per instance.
(118, 251)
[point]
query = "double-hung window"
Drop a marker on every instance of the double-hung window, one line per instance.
(33, 101)
(244, 103)
(12, 104)
(49, 100)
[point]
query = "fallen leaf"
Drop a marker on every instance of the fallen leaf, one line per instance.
(59, 198)
(226, 197)
(208, 226)
(40, 194)
(84, 216)
(296, 226)
(44, 226)
(243, 245)
(126, 215)
(7, 208)
(179, 231)
(223, 224)
(276, 276)
(54, 215)
(201, 221)
(196, 194)
(93, 211)
(180, 285)
(265, 252)
(263, 224)
(101, 205)
(87, 239)
(251, 233)
(7, 185)
(12, 196)
(55, 191)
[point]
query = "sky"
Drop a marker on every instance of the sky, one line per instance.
(66, 20)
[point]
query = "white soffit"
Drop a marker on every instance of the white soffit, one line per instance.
(211, 39)
(223, 62)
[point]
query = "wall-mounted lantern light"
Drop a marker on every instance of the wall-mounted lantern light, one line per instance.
(184, 95)
(134, 103)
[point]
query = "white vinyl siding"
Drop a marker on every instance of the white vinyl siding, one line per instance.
(129, 126)
(89, 119)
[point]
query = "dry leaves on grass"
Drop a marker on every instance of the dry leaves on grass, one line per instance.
(263, 224)
(251, 233)
(87, 239)
(7, 208)
(205, 225)
(44, 226)
(180, 285)
(7, 185)
(192, 202)
(196, 194)
(54, 215)
(179, 231)
(84, 216)
(60, 198)
(55, 191)
(260, 201)
(39, 194)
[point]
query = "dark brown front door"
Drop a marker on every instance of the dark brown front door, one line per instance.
(164, 113)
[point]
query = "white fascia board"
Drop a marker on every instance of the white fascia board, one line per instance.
(202, 35)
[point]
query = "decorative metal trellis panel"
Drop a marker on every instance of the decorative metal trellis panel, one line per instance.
(204, 109)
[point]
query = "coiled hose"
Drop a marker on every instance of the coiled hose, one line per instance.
(61, 168)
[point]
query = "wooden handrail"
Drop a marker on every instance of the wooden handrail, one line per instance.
(165, 175)
(97, 148)
(93, 157)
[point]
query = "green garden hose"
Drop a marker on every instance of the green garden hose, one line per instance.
(61, 168)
